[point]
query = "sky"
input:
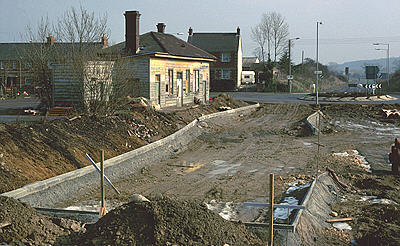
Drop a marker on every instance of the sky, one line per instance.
(348, 31)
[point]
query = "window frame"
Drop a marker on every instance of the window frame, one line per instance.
(170, 85)
(225, 57)
(229, 73)
(188, 85)
(196, 80)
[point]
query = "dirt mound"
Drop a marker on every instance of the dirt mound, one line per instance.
(165, 221)
(23, 225)
(379, 225)
(227, 101)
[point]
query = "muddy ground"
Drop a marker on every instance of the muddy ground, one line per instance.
(231, 161)
(32, 151)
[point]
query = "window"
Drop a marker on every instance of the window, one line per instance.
(188, 85)
(169, 88)
(226, 57)
(14, 65)
(28, 65)
(225, 74)
(28, 81)
(196, 80)
(158, 78)
(1, 65)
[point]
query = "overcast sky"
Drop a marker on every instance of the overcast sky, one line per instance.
(350, 26)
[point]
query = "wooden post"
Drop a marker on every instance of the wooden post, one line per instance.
(103, 195)
(271, 209)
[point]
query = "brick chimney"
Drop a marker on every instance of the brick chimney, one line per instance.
(51, 40)
(161, 27)
(132, 31)
(104, 41)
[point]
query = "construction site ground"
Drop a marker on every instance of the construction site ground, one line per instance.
(230, 161)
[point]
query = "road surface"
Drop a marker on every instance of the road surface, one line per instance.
(260, 97)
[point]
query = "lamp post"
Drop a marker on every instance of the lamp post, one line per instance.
(387, 59)
(316, 70)
(290, 78)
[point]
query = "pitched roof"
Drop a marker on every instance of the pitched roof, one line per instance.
(17, 51)
(215, 42)
(248, 61)
(155, 42)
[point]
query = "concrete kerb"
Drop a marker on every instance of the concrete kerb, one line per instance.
(312, 121)
(57, 189)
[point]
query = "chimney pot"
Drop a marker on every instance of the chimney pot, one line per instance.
(238, 31)
(51, 40)
(190, 31)
(104, 41)
(132, 31)
(161, 27)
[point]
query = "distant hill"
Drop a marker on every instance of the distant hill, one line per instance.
(356, 67)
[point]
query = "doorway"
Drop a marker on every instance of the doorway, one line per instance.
(179, 88)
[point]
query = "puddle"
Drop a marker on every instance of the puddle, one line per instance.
(381, 130)
(342, 226)
(226, 210)
(307, 144)
(374, 199)
(223, 168)
(94, 206)
(282, 214)
(237, 211)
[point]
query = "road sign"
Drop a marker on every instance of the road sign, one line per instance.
(379, 86)
(290, 77)
(317, 72)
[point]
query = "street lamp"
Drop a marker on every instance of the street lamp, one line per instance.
(290, 77)
(316, 71)
(387, 59)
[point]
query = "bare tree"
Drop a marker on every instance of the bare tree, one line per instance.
(258, 35)
(39, 53)
(271, 31)
(90, 77)
(266, 24)
(279, 33)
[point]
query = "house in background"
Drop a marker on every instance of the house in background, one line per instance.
(249, 74)
(164, 69)
(17, 61)
(15, 69)
(226, 72)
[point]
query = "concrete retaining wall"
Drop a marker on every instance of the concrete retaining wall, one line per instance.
(58, 189)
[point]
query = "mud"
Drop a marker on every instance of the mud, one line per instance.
(36, 151)
(25, 226)
(231, 161)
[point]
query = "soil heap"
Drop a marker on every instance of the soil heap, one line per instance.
(165, 221)
(22, 224)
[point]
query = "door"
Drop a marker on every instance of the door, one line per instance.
(157, 95)
(205, 91)
(179, 88)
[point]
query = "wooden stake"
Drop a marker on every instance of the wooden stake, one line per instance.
(103, 195)
(271, 209)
